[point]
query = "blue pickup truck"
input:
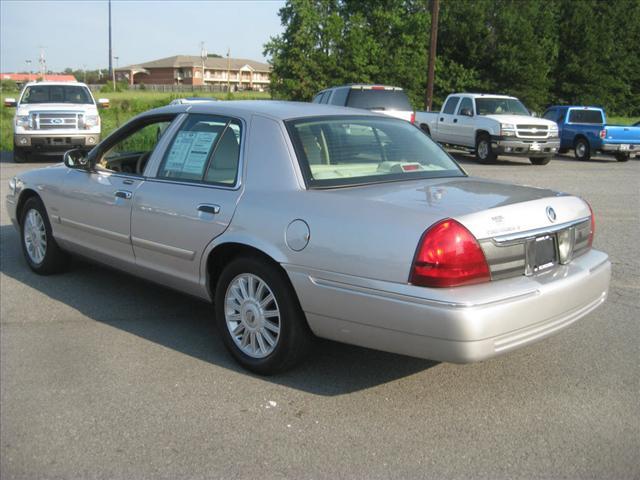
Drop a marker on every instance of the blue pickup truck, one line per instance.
(585, 130)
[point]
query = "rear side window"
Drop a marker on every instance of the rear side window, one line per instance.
(374, 99)
(586, 116)
(450, 106)
(206, 149)
(318, 97)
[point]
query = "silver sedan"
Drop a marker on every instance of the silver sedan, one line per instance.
(300, 220)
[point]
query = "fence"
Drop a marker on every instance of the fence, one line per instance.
(173, 88)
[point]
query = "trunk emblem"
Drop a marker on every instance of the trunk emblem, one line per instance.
(551, 214)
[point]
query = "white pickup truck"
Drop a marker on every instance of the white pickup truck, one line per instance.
(52, 117)
(490, 125)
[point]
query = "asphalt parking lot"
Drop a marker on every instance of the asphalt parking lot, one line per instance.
(106, 376)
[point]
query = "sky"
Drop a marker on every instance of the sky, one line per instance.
(74, 33)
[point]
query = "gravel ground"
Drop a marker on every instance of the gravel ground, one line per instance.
(106, 376)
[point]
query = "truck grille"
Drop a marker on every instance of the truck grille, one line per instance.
(532, 131)
(56, 120)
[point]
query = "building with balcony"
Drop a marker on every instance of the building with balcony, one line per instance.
(237, 73)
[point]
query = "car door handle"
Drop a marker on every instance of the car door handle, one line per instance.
(206, 208)
(123, 194)
(455, 120)
(442, 119)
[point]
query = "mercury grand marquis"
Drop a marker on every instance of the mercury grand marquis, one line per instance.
(299, 220)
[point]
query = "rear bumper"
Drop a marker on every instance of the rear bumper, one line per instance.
(464, 324)
(630, 148)
(529, 148)
(55, 142)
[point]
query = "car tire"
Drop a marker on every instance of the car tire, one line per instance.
(20, 155)
(582, 149)
(259, 316)
(484, 152)
(622, 157)
(539, 160)
(40, 249)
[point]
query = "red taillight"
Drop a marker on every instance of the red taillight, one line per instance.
(593, 225)
(448, 256)
(603, 133)
(413, 117)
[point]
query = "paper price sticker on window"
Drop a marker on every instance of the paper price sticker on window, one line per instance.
(189, 152)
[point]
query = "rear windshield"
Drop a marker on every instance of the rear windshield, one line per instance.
(500, 106)
(356, 150)
(56, 94)
(586, 116)
(379, 100)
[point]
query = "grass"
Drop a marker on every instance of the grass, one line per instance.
(124, 105)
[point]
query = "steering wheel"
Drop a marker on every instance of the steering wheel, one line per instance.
(142, 162)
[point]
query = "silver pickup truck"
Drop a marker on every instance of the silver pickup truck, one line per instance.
(491, 125)
(52, 117)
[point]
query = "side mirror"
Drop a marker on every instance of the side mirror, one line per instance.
(534, 114)
(466, 112)
(10, 102)
(76, 158)
(103, 103)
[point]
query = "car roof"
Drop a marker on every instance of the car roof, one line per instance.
(565, 107)
(481, 95)
(29, 84)
(278, 110)
(363, 86)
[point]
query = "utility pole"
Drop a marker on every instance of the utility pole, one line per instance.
(111, 73)
(43, 64)
(203, 56)
(28, 62)
(435, 8)
(228, 70)
(84, 71)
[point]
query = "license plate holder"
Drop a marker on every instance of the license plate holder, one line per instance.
(544, 253)
(624, 147)
(535, 147)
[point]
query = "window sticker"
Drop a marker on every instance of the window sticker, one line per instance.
(189, 152)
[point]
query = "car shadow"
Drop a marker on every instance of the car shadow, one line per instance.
(186, 325)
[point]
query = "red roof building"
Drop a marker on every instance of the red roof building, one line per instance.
(32, 77)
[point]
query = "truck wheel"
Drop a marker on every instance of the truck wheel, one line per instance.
(582, 149)
(484, 153)
(20, 155)
(259, 317)
(539, 160)
(622, 157)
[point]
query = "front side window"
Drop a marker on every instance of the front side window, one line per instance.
(591, 117)
(75, 94)
(206, 149)
(466, 103)
(340, 151)
(131, 153)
